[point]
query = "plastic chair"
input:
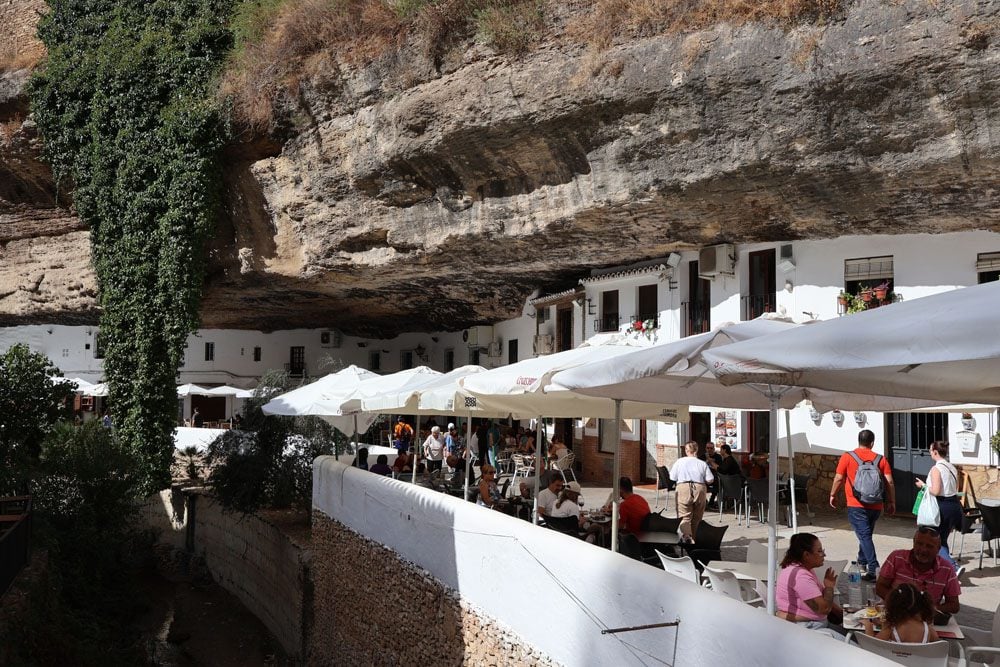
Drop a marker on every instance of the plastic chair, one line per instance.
(991, 527)
(682, 567)
(758, 496)
(983, 641)
(932, 654)
(725, 583)
(733, 487)
(707, 543)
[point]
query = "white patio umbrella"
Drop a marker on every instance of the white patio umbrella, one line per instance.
(678, 371)
(79, 384)
(192, 390)
(100, 389)
(323, 398)
(944, 347)
(526, 389)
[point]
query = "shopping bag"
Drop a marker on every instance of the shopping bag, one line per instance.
(916, 502)
(929, 513)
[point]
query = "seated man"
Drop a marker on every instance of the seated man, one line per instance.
(633, 508)
(381, 466)
(403, 463)
(548, 496)
(923, 567)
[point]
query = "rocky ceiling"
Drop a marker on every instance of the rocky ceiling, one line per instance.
(445, 201)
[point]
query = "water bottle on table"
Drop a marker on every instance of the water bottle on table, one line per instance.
(854, 597)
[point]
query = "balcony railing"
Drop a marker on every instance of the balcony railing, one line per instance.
(15, 538)
(296, 370)
(696, 316)
(755, 305)
(653, 320)
(609, 322)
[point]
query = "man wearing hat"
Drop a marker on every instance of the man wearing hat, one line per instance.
(451, 440)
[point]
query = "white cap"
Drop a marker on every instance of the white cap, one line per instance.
(451, 426)
(573, 486)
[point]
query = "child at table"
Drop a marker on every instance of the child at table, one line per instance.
(908, 617)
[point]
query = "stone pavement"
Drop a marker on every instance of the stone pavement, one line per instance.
(980, 588)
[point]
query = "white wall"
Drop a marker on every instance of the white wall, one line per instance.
(558, 592)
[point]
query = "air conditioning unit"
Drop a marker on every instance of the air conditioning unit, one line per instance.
(543, 344)
(717, 260)
(494, 349)
(330, 338)
(476, 336)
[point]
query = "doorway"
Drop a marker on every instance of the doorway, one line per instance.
(564, 328)
(700, 428)
(908, 438)
(758, 440)
(647, 459)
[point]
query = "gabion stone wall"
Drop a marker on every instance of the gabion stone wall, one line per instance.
(373, 608)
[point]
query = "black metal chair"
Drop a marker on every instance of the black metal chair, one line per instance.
(568, 525)
(733, 487)
(991, 528)
(663, 483)
(758, 497)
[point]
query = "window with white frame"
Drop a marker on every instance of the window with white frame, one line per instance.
(209, 351)
(988, 267)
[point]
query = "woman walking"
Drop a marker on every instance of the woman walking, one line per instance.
(942, 482)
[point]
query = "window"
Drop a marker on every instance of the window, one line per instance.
(512, 351)
(649, 308)
(406, 359)
(65, 352)
(297, 361)
(605, 434)
(374, 361)
(696, 311)
(988, 267)
(609, 319)
(543, 314)
(209, 351)
(449, 359)
(863, 275)
(256, 353)
(760, 297)
(474, 356)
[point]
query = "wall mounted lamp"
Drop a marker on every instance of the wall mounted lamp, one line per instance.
(420, 351)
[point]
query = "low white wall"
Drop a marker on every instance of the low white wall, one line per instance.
(558, 593)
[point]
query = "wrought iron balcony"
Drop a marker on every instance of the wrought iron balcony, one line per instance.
(609, 322)
(296, 370)
(755, 305)
(697, 317)
(652, 318)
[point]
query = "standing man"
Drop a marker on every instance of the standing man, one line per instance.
(869, 478)
(692, 476)
(402, 435)
(714, 460)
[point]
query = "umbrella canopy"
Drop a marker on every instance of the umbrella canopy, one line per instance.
(224, 390)
(99, 389)
(526, 388)
(435, 396)
(944, 347)
(192, 390)
(322, 397)
(79, 384)
(393, 384)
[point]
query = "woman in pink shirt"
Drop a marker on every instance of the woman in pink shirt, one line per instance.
(801, 596)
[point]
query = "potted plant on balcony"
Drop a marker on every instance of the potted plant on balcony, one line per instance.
(881, 290)
(865, 294)
(843, 299)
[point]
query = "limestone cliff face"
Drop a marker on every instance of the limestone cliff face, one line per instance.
(446, 199)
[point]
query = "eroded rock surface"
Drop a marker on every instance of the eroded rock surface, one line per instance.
(445, 201)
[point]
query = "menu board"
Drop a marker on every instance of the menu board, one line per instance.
(726, 432)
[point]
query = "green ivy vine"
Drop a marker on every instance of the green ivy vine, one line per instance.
(126, 108)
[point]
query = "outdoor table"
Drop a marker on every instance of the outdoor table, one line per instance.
(741, 569)
(657, 537)
(949, 630)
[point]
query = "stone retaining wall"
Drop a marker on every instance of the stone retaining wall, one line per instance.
(247, 555)
(374, 608)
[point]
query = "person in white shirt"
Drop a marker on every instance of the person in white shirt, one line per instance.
(434, 449)
(548, 496)
(692, 476)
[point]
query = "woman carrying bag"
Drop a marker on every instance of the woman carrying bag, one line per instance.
(942, 487)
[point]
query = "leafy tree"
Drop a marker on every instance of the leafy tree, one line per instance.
(268, 462)
(31, 403)
(125, 104)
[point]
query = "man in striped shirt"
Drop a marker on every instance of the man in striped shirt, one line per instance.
(924, 568)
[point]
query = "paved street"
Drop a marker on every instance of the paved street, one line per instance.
(980, 588)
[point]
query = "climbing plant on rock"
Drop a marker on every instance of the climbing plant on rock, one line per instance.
(126, 109)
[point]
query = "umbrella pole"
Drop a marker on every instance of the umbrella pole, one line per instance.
(791, 473)
(772, 501)
(616, 475)
(355, 434)
(416, 449)
(538, 461)
(468, 454)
